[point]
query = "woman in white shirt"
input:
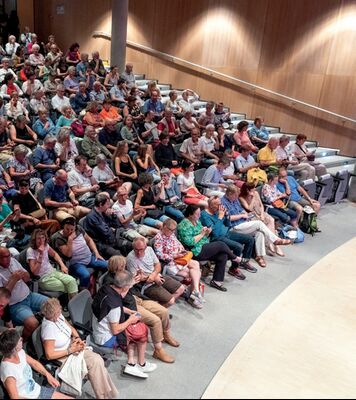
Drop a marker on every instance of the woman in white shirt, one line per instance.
(38, 259)
(187, 186)
(16, 371)
(66, 148)
(60, 340)
(105, 176)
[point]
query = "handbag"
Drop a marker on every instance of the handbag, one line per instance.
(185, 259)
(155, 214)
(179, 205)
(311, 157)
(78, 129)
(136, 332)
(278, 204)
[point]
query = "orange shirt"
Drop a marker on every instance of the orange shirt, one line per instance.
(113, 113)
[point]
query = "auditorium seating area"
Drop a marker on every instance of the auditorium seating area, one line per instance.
(96, 206)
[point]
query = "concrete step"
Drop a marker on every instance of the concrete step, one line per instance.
(139, 76)
(324, 151)
(271, 129)
(336, 161)
(142, 82)
(347, 167)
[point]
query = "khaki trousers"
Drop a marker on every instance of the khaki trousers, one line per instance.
(155, 316)
(62, 213)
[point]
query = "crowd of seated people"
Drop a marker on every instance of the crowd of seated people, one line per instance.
(98, 192)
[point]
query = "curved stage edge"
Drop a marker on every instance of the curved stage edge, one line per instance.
(304, 344)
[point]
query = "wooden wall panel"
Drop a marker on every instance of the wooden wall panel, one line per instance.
(303, 49)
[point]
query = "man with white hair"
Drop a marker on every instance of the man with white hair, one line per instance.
(129, 76)
(144, 264)
(36, 59)
(186, 103)
(60, 100)
(267, 156)
(97, 94)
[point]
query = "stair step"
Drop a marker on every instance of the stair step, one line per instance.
(324, 151)
(336, 161)
(139, 76)
(142, 82)
(347, 167)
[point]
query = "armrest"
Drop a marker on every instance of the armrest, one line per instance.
(55, 363)
(82, 327)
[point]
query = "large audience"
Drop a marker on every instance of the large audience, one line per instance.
(136, 196)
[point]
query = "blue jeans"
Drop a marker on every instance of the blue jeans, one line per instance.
(111, 343)
(153, 222)
(26, 308)
(239, 243)
(284, 215)
(174, 213)
(81, 271)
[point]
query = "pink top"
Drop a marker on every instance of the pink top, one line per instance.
(242, 139)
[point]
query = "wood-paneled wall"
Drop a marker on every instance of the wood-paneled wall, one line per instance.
(303, 49)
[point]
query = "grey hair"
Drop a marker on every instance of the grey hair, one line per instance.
(284, 138)
(35, 46)
(60, 86)
(137, 240)
(88, 129)
(49, 139)
(20, 149)
(100, 158)
(123, 279)
(210, 126)
(71, 69)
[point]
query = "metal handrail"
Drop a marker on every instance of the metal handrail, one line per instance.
(213, 73)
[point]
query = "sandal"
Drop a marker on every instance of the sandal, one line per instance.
(261, 262)
(282, 242)
(279, 252)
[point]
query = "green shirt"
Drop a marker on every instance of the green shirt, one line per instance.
(5, 210)
(186, 233)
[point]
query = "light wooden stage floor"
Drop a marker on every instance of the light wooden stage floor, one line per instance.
(304, 344)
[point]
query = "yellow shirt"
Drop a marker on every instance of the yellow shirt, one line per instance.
(267, 155)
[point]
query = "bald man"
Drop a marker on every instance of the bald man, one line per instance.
(129, 76)
(23, 303)
(60, 198)
(267, 156)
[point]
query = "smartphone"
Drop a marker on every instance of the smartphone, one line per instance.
(138, 315)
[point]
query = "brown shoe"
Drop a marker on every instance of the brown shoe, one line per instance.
(160, 354)
(169, 340)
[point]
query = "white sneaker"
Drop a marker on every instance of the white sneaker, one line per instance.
(149, 367)
(135, 370)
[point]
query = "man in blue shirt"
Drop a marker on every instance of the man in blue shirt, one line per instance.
(245, 161)
(244, 223)
(299, 197)
(216, 217)
(258, 133)
(45, 159)
(59, 198)
(155, 105)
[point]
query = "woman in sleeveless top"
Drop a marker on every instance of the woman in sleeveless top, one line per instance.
(251, 202)
(147, 200)
(124, 167)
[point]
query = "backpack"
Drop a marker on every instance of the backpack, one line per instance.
(256, 176)
(309, 222)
